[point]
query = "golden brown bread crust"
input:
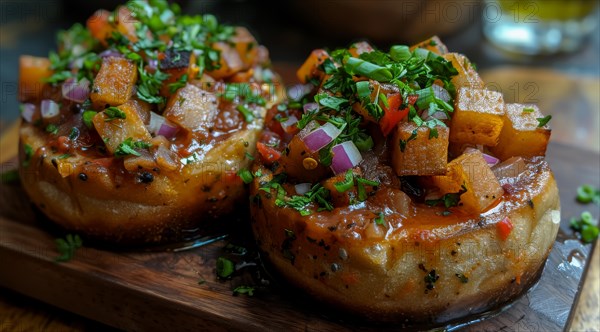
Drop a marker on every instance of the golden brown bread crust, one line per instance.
(425, 271)
(118, 207)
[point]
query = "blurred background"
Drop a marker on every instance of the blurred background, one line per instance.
(534, 51)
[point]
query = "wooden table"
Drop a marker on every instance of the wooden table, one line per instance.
(574, 103)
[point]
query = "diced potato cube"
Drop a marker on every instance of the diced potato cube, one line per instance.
(309, 68)
(114, 83)
(477, 117)
(193, 109)
(359, 48)
(415, 153)
(116, 130)
(229, 61)
(470, 171)
(246, 46)
(467, 75)
(32, 71)
(520, 134)
(176, 64)
(433, 44)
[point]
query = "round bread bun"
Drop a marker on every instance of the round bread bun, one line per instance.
(140, 141)
(420, 268)
(406, 191)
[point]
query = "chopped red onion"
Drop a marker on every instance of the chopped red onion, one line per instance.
(49, 109)
(167, 130)
(490, 159)
(345, 157)
(153, 64)
(110, 53)
(27, 112)
(298, 91)
(160, 126)
(289, 124)
(302, 188)
(321, 136)
(309, 107)
(76, 91)
(156, 122)
(440, 93)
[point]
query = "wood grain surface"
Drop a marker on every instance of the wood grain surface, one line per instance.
(126, 288)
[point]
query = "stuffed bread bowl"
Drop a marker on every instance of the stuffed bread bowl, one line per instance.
(399, 188)
(135, 130)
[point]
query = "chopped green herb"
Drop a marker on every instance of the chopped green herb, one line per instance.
(225, 268)
(65, 156)
(66, 247)
(586, 226)
(587, 194)
(347, 184)
(448, 200)
(543, 121)
(114, 113)
(528, 110)
(248, 156)
(330, 101)
(88, 117)
(379, 220)
(360, 67)
(403, 143)
(52, 129)
(245, 175)
(246, 112)
(128, 146)
(248, 290)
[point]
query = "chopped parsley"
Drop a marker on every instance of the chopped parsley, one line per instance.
(66, 247)
(245, 175)
(112, 113)
(448, 200)
(403, 142)
(380, 220)
(52, 129)
(544, 121)
(528, 110)
(128, 147)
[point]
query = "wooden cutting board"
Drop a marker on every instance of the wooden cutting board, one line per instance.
(141, 290)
